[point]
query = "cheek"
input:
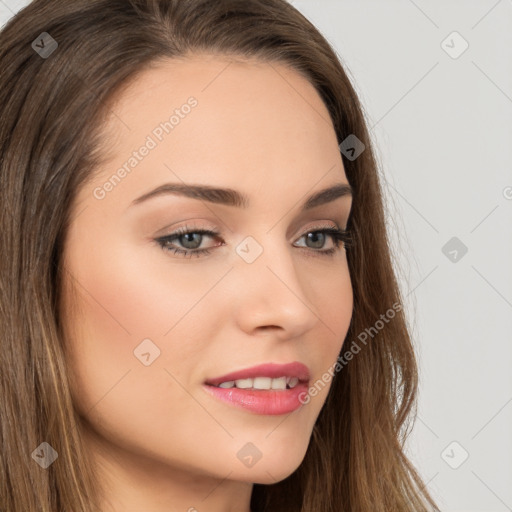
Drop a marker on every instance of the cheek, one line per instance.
(343, 315)
(334, 303)
(133, 302)
(121, 303)
(123, 306)
(131, 295)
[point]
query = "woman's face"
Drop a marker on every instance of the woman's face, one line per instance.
(154, 325)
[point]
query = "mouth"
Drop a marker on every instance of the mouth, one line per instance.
(261, 383)
(269, 389)
(264, 376)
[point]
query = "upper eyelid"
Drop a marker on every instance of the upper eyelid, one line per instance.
(212, 232)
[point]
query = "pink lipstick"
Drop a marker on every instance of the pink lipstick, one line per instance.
(269, 389)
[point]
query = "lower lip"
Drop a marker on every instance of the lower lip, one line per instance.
(265, 401)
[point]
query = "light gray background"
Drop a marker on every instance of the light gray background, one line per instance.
(443, 130)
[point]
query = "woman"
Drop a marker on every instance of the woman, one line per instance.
(198, 305)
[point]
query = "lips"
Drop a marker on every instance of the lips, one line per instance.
(270, 370)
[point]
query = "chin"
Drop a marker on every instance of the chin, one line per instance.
(263, 477)
(271, 471)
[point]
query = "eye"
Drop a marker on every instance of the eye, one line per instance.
(191, 239)
(318, 236)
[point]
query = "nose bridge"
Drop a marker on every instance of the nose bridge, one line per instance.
(272, 292)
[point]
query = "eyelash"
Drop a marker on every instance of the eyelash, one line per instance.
(337, 235)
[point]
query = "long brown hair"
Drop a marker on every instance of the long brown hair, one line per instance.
(52, 106)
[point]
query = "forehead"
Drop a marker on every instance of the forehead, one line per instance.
(220, 120)
(212, 75)
(231, 93)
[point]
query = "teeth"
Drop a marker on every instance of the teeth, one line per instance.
(293, 381)
(243, 383)
(279, 383)
(262, 383)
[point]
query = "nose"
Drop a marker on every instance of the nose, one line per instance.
(272, 294)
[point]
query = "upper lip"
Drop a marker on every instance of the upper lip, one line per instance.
(271, 370)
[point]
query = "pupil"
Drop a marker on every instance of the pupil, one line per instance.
(189, 238)
(315, 236)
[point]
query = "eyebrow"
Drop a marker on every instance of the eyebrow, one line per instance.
(230, 197)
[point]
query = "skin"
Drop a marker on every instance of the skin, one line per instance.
(160, 442)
